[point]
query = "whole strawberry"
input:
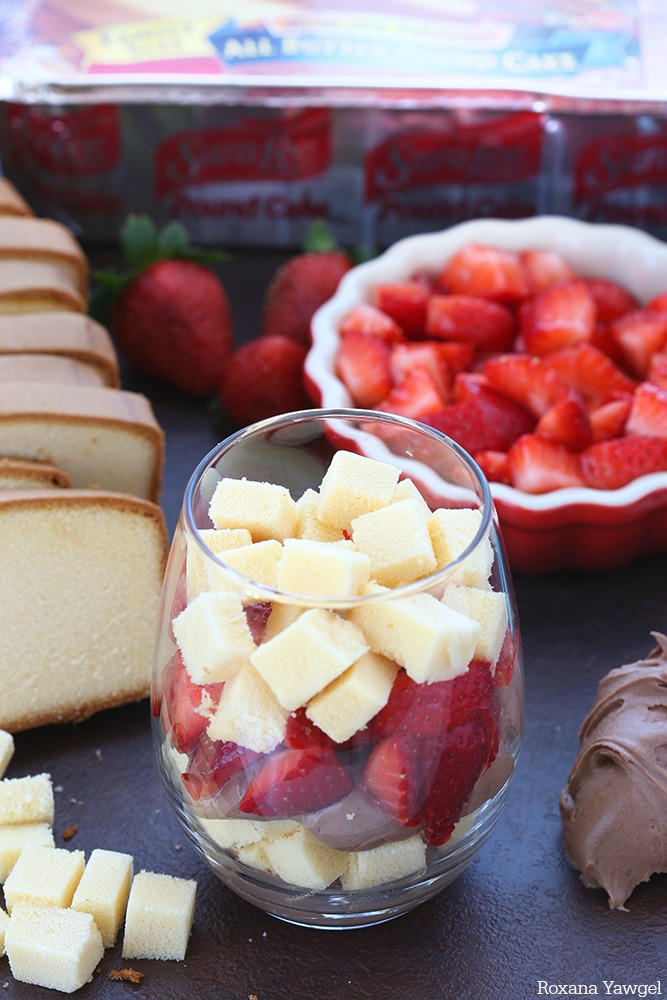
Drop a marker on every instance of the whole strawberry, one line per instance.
(263, 378)
(301, 285)
(170, 315)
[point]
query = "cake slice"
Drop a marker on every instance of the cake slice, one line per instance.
(101, 437)
(48, 241)
(48, 368)
(12, 203)
(69, 334)
(79, 608)
(15, 474)
(36, 286)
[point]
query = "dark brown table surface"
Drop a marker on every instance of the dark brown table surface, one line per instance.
(516, 917)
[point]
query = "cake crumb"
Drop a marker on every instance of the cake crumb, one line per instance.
(99, 755)
(69, 831)
(126, 975)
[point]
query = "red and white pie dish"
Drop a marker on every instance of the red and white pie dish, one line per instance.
(565, 529)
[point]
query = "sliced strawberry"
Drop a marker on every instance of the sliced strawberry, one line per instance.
(486, 271)
(363, 365)
(560, 316)
(590, 373)
(459, 356)
(372, 322)
(527, 380)
(257, 616)
(426, 354)
(567, 422)
(416, 396)
(544, 268)
(213, 764)
(289, 782)
(608, 465)
(487, 325)
(640, 334)
(493, 465)
(657, 369)
(611, 299)
(538, 465)
(609, 420)
(405, 302)
(470, 423)
(301, 733)
(391, 777)
(506, 661)
(648, 413)
(181, 702)
(659, 303)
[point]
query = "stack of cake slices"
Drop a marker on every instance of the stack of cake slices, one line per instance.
(82, 535)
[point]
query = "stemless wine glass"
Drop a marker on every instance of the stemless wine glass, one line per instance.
(338, 686)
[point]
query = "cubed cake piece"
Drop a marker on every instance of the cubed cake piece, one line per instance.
(6, 751)
(213, 635)
(397, 542)
(280, 617)
(197, 562)
(27, 800)
(489, 608)
(267, 510)
(16, 836)
(406, 490)
(385, 863)
(4, 923)
(236, 833)
(308, 524)
(305, 657)
(257, 561)
(45, 876)
(433, 642)
(249, 713)
(349, 702)
(452, 531)
(300, 859)
(159, 916)
(104, 890)
(322, 569)
(58, 949)
(354, 485)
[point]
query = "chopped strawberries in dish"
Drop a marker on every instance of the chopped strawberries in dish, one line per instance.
(391, 777)
(611, 299)
(567, 422)
(543, 268)
(405, 302)
(183, 703)
(538, 465)
(657, 369)
(609, 419)
(527, 380)
(485, 271)
(493, 465)
(639, 334)
(560, 316)
(372, 322)
(608, 465)
(363, 363)
(590, 373)
(301, 733)
(648, 412)
(489, 326)
(416, 396)
(289, 782)
(487, 421)
(213, 764)
(428, 354)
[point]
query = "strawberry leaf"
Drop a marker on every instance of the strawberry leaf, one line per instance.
(172, 240)
(139, 241)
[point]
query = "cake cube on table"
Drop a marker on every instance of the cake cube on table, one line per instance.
(452, 530)
(15, 836)
(433, 642)
(44, 876)
(354, 485)
(351, 700)
(489, 609)
(104, 890)
(302, 659)
(52, 947)
(27, 800)
(384, 863)
(322, 569)
(397, 541)
(159, 916)
(214, 637)
(258, 561)
(216, 541)
(6, 751)
(249, 713)
(267, 510)
(300, 859)
(308, 524)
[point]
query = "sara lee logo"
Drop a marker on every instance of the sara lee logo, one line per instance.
(276, 149)
(78, 141)
(499, 151)
(620, 161)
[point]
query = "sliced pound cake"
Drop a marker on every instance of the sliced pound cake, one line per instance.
(67, 334)
(16, 474)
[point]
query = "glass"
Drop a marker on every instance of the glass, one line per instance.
(338, 685)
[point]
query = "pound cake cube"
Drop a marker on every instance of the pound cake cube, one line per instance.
(249, 713)
(433, 642)
(78, 610)
(35, 286)
(452, 531)
(406, 490)
(397, 542)
(214, 637)
(351, 701)
(237, 833)
(6, 751)
(45, 876)
(308, 524)
(322, 569)
(47, 241)
(101, 437)
(300, 859)
(104, 890)
(302, 659)
(4, 924)
(280, 617)
(267, 510)
(159, 916)
(354, 485)
(257, 561)
(15, 474)
(58, 949)
(216, 541)
(489, 608)
(384, 863)
(15, 836)
(62, 334)
(26, 800)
